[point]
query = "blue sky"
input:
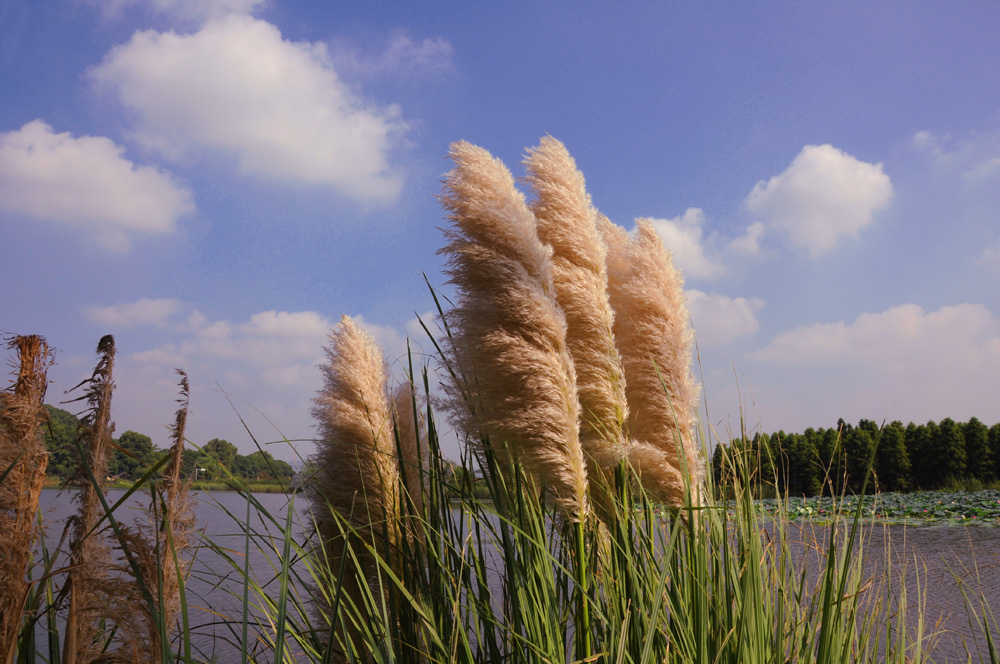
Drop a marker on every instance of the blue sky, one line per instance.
(216, 181)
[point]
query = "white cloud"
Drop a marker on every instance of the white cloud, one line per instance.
(903, 363)
(277, 106)
(683, 237)
(143, 312)
(976, 157)
(86, 182)
(402, 56)
(193, 10)
(904, 339)
(748, 244)
(719, 319)
(990, 259)
(823, 197)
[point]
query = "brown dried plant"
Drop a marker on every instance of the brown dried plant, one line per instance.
(653, 334)
(23, 460)
(90, 554)
(567, 222)
(146, 586)
(508, 334)
(355, 493)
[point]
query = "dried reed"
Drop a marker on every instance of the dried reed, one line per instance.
(23, 460)
(654, 337)
(508, 332)
(567, 222)
(412, 459)
(90, 555)
(147, 595)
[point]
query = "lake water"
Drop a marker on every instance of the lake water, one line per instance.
(215, 590)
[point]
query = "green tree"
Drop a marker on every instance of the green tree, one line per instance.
(141, 455)
(979, 459)
(919, 444)
(59, 433)
(222, 451)
(995, 447)
(892, 460)
(949, 452)
(858, 449)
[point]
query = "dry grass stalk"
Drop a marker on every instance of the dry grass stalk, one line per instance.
(412, 459)
(508, 332)
(23, 458)
(567, 222)
(157, 546)
(654, 338)
(90, 555)
(357, 472)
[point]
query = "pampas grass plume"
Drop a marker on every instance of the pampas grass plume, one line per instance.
(508, 332)
(654, 337)
(567, 222)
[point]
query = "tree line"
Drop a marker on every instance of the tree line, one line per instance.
(136, 453)
(892, 457)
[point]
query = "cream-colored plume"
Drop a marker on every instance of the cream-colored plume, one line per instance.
(567, 222)
(508, 333)
(654, 337)
(356, 469)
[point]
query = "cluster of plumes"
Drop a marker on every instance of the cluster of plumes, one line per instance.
(570, 339)
(367, 460)
(23, 460)
(127, 589)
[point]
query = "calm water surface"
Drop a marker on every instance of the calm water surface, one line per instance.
(939, 553)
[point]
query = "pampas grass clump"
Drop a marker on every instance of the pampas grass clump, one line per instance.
(23, 460)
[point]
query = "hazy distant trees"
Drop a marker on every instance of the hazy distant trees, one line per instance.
(892, 457)
(218, 459)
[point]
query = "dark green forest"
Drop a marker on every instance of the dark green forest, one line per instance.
(136, 453)
(893, 457)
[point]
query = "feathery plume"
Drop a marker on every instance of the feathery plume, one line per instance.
(654, 338)
(508, 333)
(567, 222)
(357, 472)
(23, 460)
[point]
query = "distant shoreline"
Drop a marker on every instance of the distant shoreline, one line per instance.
(54, 484)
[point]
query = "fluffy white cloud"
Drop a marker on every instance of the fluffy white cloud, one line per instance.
(142, 312)
(823, 197)
(86, 182)
(720, 319)
(278, 106)
(683, 237)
